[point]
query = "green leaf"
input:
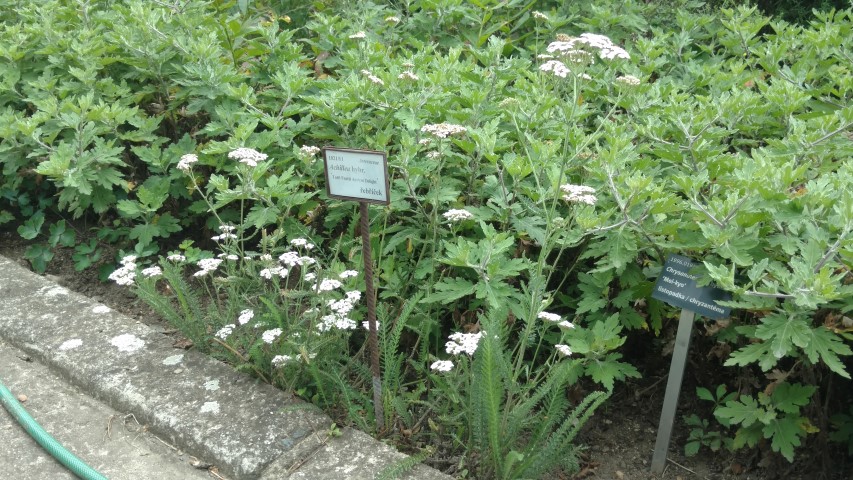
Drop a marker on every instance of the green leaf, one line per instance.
(38, 255)
(784, 435)
(826, 346)
(32, 227)
(789, 397)
(744, 411)
(260, 216)
(760, 353)
(704, 394)
(783, 332)
(60, 235)
(692, 448)
(607, 370)
(450, 289)
(5, 217)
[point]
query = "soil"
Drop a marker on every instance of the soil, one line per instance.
(619, 439)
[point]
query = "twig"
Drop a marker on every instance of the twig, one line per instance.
(296, 466)
(109, 427)
(241, 357)
(683, 467)
(641, 392)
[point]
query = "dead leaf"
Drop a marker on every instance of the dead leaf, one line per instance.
(183, 343)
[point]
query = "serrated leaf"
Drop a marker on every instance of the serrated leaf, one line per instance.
(38, 255)
(826, 346)
(760, 353)
(607, 370)
(745, 411)
(783, 332)
(784, 435)
(692, 448)
(450, 289)
(60, 235)
(32, 227)
(260, 216)
(789, 397)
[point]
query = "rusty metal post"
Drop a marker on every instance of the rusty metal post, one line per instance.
(373, 334)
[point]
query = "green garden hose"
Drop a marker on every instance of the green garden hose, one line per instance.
(47, 442)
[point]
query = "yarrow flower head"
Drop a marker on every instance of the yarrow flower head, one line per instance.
(207, 265)
(463, 343)
(408, 75)
(249, 156)
(125, 274)
(373, 78)
(358, 35)
(579, 194)
(442, 366)
(443, 130)
(225, 331)
(563, 349)
(301, 242)
(348, 274)
(176, 257)
(245, 316)
(152, 272)
(186, 162)
(308, 151)
(629, 80)
(540, 16)
(270, 335)
(457, 215)
(570, 46)
(566, 324)
(328, 284)
(392, 20)
(549, 317)
(558, 68)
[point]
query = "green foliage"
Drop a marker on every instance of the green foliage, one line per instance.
(729, 143)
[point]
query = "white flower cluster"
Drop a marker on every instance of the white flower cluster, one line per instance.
(327, 285)
(308, 151)
(540, 16)
(279, 361)
(463, 343)
(629, 80)
(348, 274)
(227, 232)
(433, 155)
(340, 309)
(291, 259)
(125, 274)
(457, 215)
(442, 366)
(556, 67)
(249, 156)
(176, 257)
(152, 272)
(301, 242)
(268, 273)
(549, 317)
(373, 78)
(186, 162)
(245, 316)
(579, 194)
(270, 335)
(443, 130)
(207, 265)
(408, 75)
(606, 49)
(392, 20)
(358, 35)
(563, 349)
(225, 331)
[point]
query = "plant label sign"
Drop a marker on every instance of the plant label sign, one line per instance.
(359, 175)
(677, 286)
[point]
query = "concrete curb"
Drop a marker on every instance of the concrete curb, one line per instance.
(200, 405)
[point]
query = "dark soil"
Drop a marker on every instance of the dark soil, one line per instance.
(619, 439)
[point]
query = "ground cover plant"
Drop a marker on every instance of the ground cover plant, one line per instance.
(544, 158)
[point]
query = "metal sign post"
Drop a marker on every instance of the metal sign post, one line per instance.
(677, 286)
(362, 175)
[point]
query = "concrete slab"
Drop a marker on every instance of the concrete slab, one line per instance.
(202, 406)
(107, 440)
